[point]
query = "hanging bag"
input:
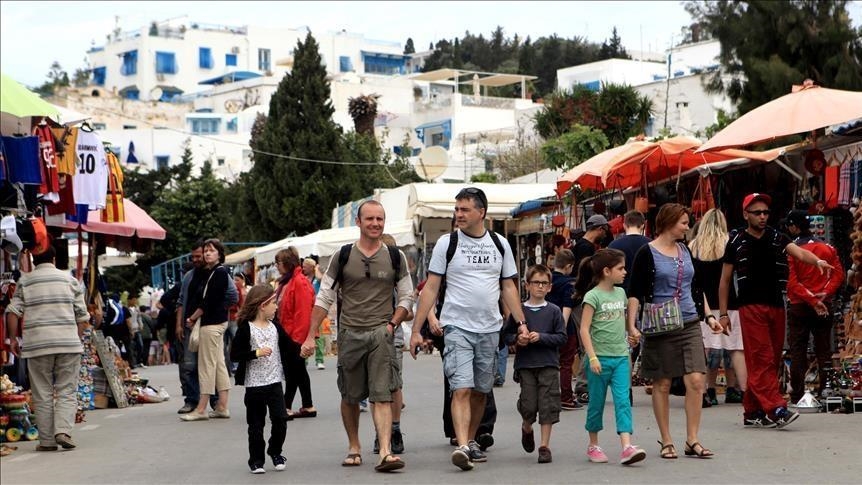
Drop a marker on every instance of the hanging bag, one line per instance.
(661, 318)
(195, 335)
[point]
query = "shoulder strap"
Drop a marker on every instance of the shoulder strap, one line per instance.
(679, 270)
(453, 246)
(500, 248)
(395, 259)
(343, 256)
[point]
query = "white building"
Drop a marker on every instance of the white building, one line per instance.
(680, 101)
(162, 61)
(219, 78)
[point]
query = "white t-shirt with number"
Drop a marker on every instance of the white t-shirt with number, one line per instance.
(90, 185)
(473, 281)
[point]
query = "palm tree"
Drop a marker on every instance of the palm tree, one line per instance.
(363, 110)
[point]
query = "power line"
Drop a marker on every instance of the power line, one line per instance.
(255, 151)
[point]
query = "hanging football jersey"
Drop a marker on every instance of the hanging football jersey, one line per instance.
(91, 182)
(67, 159)
(114, 211)
(22, 159)
(50, 187)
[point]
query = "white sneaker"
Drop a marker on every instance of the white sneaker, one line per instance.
(321, 366)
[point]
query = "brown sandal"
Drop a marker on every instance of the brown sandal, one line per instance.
(670, 454)
(691, 450)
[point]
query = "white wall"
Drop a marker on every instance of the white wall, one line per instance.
(618, 71)
(700, 112)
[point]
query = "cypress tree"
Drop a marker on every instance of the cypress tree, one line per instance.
(293, 195)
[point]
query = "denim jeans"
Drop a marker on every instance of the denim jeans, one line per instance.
(502, 360)
(188, 366)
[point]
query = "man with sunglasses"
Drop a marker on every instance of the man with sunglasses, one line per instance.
(366, 326)
(756, 259)
(470, 320)
(809, 298)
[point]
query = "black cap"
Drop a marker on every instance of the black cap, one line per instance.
(797, 218)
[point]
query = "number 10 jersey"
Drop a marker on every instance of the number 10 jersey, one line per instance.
(91, 182)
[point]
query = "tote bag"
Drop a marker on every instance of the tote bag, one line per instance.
(661, 318)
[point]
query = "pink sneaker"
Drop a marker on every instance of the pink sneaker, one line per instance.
(596, 455)
(631, 454)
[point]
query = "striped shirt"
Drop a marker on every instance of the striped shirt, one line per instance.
(52, 302)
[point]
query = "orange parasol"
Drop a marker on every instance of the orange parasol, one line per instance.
(588, 174)
(807, 108)
(663, 159)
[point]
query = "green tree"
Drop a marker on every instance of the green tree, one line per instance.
(613, 48)
(768, 46)
(618, 110)
(408, 46)
(304, 164)
(484, 177)
(188, 210)
(577, 145)
(57, 78)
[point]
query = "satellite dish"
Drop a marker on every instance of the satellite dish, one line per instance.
(433, 161)
(156, 93)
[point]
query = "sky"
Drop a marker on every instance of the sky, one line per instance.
(35, 34)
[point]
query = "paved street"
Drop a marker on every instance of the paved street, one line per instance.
(148, 444)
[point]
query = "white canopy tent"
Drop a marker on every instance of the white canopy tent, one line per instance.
(327, 242)
(438, 200)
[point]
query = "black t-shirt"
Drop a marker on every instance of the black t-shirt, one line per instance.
(629, 244)
(583, 248)
(710, 273)
(760, 266)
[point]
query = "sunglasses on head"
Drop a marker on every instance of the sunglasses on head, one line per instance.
(475, 194)
(764, 212)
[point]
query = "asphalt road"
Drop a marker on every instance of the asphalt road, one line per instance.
(148, 444)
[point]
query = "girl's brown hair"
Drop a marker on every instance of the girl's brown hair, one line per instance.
(257, 296)
(592, 267)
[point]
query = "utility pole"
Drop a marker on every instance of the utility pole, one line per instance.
(667, 83)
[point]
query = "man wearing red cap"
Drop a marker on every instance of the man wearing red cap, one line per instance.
(756, 258)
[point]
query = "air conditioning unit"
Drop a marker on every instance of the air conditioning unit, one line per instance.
(234, 50)
(160, 77)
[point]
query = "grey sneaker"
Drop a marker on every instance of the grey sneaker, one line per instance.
(476, 453)
(461, 458)
(782, 417)
(187, 408)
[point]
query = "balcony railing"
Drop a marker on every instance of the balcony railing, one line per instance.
(425, 105)
(487, 102)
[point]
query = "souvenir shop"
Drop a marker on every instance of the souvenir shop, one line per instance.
(60, 182)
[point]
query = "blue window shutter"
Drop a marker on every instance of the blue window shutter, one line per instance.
(99, 76)
(130, 63)
(230, 59)
(133, 94)
(593, 85)
(205, 58)
(345, 64)
(166, 63)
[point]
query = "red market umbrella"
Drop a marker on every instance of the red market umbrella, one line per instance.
(588, 174)
(807, 108)
(663, 159)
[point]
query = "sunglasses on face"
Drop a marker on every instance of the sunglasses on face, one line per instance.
(367, 268)
(758, 213)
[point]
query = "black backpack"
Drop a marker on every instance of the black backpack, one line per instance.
(344, 255)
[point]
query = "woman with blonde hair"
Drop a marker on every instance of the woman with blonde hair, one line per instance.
(707, 249)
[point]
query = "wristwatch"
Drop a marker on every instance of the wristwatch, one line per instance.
(392, 324)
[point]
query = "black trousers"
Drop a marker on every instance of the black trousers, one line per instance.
(296, 377)
(257, 401)
(803, 321)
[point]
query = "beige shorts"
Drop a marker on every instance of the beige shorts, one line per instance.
(722, 341)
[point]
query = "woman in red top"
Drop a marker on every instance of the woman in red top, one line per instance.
(295, 300)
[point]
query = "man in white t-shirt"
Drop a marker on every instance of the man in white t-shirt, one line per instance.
(470, 321)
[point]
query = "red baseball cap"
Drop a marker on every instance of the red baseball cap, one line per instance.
(755, 197)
